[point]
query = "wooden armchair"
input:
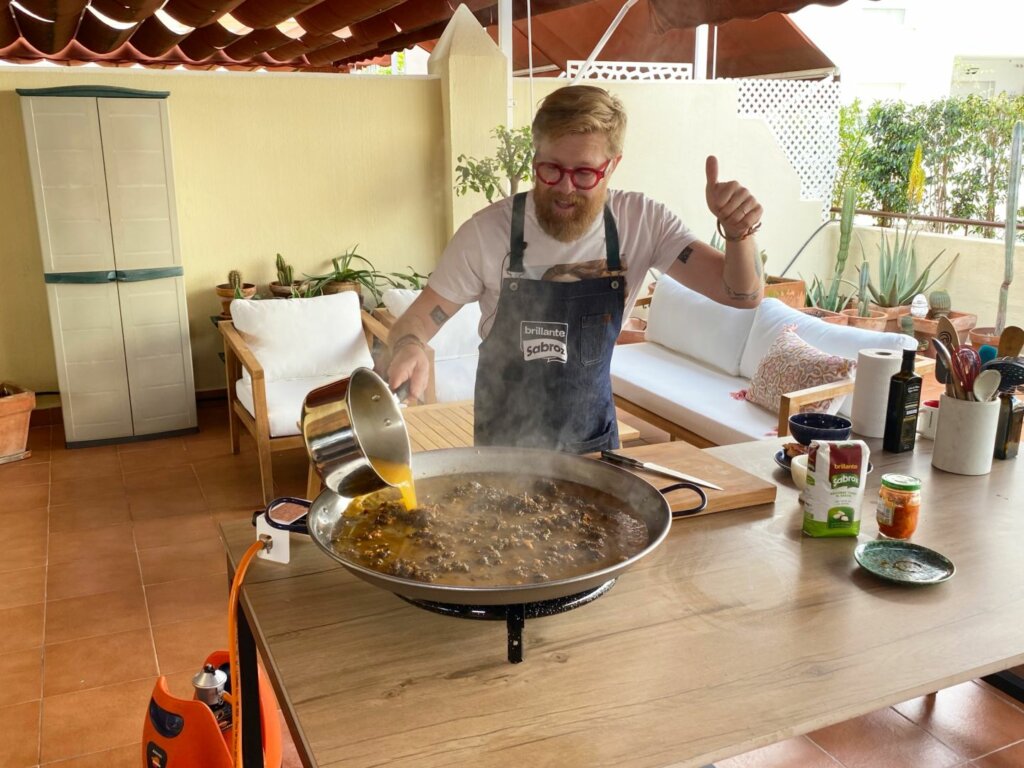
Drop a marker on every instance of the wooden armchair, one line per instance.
(275, 352)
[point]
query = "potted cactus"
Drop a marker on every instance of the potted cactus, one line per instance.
(234, 288)
(863, 316)
(286, 285)
(940, 305)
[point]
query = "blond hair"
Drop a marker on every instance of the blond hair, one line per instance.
(581, 109)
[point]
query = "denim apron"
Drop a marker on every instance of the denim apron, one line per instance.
(543, 379)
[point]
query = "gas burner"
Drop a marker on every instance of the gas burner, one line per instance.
(515, 615)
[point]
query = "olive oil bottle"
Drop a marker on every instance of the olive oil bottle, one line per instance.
(902, 408)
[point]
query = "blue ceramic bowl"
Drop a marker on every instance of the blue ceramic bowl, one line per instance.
(805, 427)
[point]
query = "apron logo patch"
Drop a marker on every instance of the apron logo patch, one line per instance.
(544, 341)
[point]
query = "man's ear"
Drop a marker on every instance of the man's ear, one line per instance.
(615, 164)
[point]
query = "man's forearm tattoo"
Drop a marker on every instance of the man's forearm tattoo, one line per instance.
(685, 254)
(738, 295)
(439, 316)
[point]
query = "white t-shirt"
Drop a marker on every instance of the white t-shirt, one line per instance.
(476, 259)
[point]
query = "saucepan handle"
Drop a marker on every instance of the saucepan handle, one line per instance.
(285, 520)
(690, 487)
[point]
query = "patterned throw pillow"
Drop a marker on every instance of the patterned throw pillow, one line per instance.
(792, 364)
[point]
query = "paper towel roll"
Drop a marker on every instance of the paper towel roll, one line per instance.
(875, 367)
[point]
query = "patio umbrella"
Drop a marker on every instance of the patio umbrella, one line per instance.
(304, 35)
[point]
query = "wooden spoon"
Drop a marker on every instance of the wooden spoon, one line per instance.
(1010, 341)
(986, 385)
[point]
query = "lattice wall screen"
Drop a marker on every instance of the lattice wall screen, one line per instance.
(802, 114)
(630, 70)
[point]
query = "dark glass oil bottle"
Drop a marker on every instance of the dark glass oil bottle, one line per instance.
(1008, 428)
(901, 411)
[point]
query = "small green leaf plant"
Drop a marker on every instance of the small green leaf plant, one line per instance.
(345, 271)
(498, 176)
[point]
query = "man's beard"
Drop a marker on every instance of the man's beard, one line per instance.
(566, 226)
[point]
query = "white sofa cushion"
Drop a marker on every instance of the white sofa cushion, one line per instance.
(284, 400)
(689, 393)
(455, 379)
(772, 316)
(459, 337)
(303, 338)
(691, 323)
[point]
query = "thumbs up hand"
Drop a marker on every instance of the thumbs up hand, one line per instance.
(737, 211)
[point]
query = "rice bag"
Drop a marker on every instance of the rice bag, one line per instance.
(836, 476)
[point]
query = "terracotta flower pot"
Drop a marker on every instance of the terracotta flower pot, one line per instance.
(16, 406)
(984, 335)
(892, 316)
(339, 286)
(875, 321)
(283, 291)
(226, 294)
(925, 328)
(827, 315)
(791, 292)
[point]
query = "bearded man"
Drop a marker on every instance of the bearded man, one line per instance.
(556, 269)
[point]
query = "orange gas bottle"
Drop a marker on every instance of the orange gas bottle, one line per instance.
(197, 733)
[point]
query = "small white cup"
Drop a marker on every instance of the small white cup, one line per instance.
(965, 438)
(927, 421)
(798, 470)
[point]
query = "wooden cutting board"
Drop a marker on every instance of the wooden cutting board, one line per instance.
(741, 489)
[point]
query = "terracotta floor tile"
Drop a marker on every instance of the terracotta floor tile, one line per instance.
(176, 478)
(90, 615)
(1005, 697)
(65, 518)
(212, 448)
(94, 543)
(129, 756)
(181, 529)
(1008, 757)
(26, 586)
(204, 597)
(92, 577)
(88, 663)
(87, 490)
(184, 645)
(182, 561)
(151, 505)
(968, 718)
(26, 497)
(799, 751)
(63, 455)
(19, 473)
(154, 457)
(22, 628)
(76, 465)
(20, 674)
(226, 514)
(71, 720)
(884, 739)
(26, 544)
(39, 439)
(19, 748)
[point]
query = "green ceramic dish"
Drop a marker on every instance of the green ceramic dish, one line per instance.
(903, 562)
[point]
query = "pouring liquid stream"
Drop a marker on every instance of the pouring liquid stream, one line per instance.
(400, 476)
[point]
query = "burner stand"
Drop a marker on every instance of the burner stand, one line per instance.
(515, 615)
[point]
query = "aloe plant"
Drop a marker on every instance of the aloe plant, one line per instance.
(863, 306)
(898, 279)
(345, 271)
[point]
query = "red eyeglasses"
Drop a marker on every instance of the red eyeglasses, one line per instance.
(582, 177)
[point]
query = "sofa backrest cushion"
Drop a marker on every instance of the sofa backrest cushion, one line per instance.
(459, 337)
(773, 316)
(689, 322)
(302, 338)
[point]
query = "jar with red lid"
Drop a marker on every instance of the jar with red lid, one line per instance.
(899, 506)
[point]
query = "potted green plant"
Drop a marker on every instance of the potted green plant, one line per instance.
(348, 275)
(16, 406)
(991, 334)
(828, 304)
(234, 288)
(863, 316)
(286, 284)
(510, 165)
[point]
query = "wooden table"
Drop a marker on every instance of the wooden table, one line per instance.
(735, 633)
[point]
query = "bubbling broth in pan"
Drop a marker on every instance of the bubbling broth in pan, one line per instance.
(489, 530)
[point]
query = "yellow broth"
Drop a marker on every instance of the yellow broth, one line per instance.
(490, 530)
(400, 476)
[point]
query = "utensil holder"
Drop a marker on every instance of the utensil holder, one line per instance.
(965, 436)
